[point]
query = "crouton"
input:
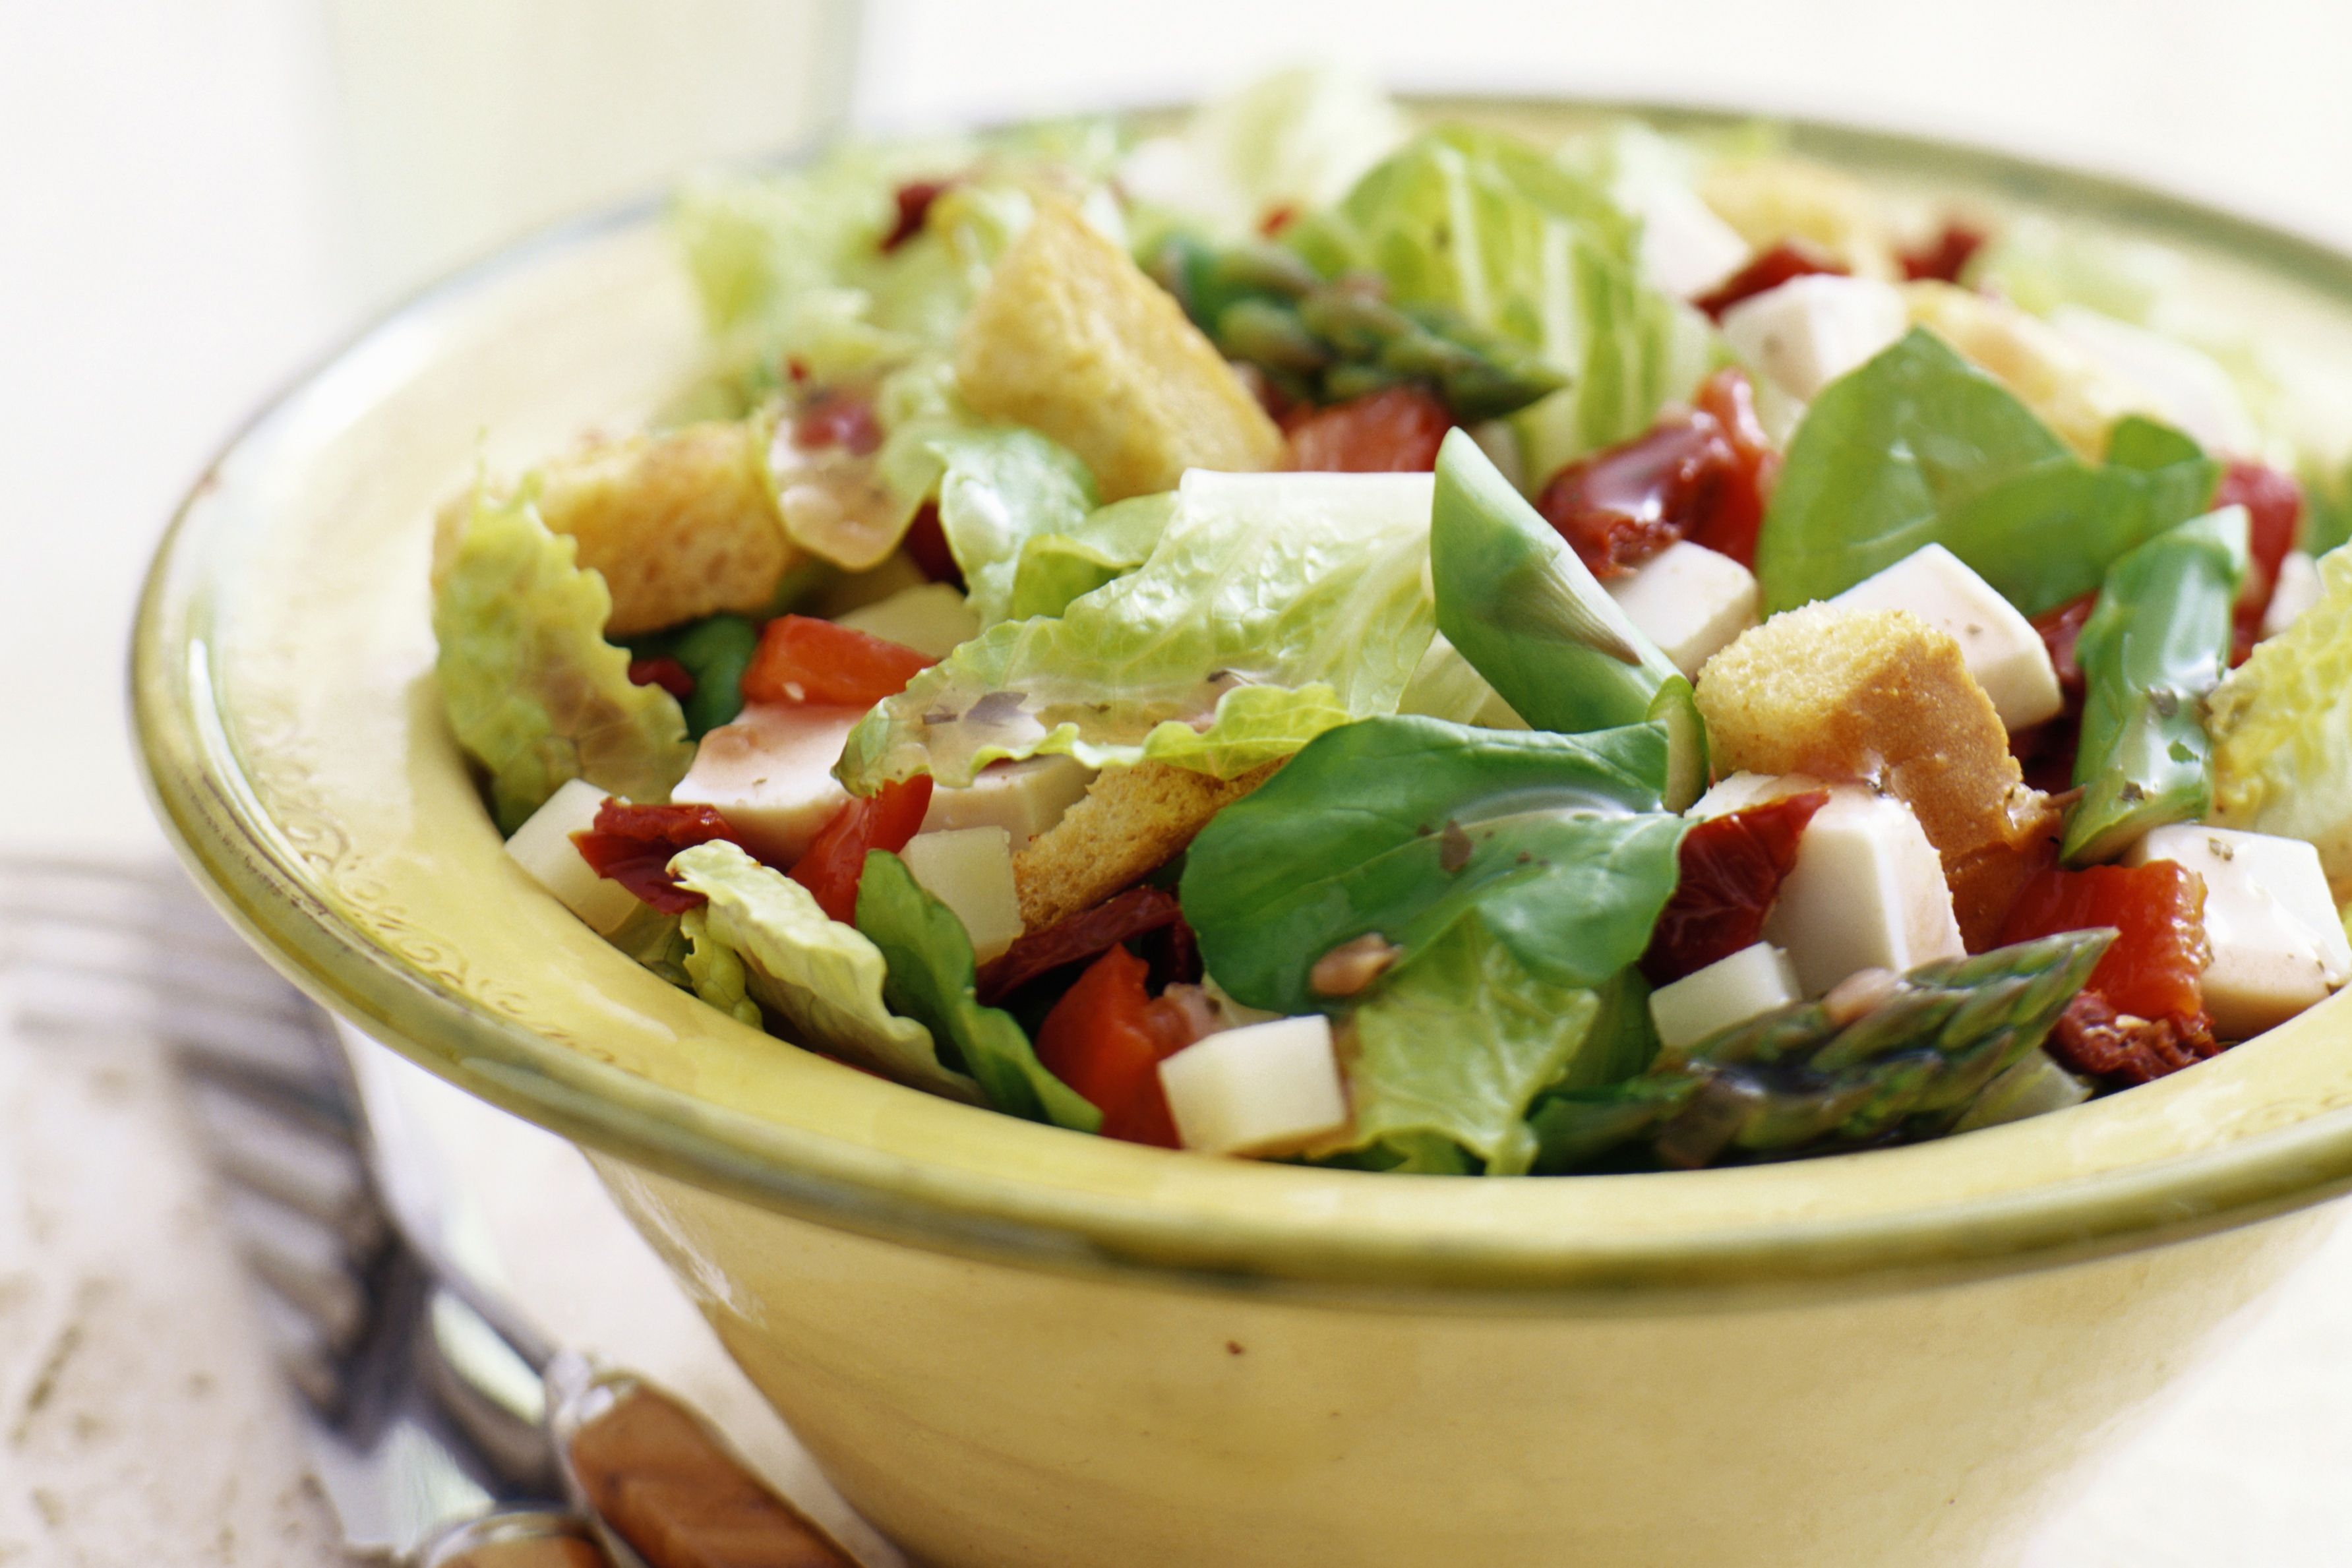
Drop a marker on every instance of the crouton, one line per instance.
(1884, 698)
(1769, 200)
(1131, 822)
(681, 524)
(2075, 395)
(1072, 339)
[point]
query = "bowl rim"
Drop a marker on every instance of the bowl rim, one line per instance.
(212, 817)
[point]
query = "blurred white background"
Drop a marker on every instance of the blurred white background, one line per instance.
(194, 204)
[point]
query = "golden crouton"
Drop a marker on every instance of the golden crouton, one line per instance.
(2075, 395)
(1131, 822)
(681, 524)
(1883, 697)
(1072, 339)
(1769, 200)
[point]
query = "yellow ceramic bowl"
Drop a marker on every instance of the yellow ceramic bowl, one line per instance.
(1015, 1346)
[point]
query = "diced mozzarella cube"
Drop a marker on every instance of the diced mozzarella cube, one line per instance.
(2278, 946)
(1685, 249)
(2297, 589)
(2183, 386)
(1811, 331)
(543, 845)
(1024, 797)
(770, 774)
(970, 869)
(932, 619)
(1689, 600)
(2001, 648)
(1730, 991)
(1867, 893)
(1268, 1088)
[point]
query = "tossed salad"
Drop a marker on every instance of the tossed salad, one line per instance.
(1306, 636)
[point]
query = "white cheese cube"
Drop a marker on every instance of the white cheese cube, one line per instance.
(770, 774)
(1268, 1088)
(543, 845)
(2001, 648)
(1024, 798)
(2298, 588)
(931, 619)
(1747, 985)
(1867, 893)
(970, 869)
(1686, 250)
(1689, 600)
(2278, 944)
(1811, 331)
(2184, 386)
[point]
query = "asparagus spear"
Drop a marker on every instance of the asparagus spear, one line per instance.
(2157, 644)
(1326, 341)
(1810, 1078)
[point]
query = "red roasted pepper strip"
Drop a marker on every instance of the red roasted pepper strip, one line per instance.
(1132, 913)
(1106, 1038)
(2273, 504)
(801, 659)
(634, 845)
(1945, 256)
(2158, 909)
(1788, 260)
(835, 859)
(1396, 430)
(1732, 869)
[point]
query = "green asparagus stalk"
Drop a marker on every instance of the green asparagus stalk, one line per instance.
(1325, 341)
(2157, 644)
(1809, 1078)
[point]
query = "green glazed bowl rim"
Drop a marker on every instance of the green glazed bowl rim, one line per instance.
(1184, 1220)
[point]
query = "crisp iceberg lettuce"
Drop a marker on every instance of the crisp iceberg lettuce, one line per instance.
(2282, 728)
(715, 971)
(1483, 223)
(1055, 569)
(1458, 1041)
(1272, 607)
(533, 691)
(1002, 487)
(823, 978)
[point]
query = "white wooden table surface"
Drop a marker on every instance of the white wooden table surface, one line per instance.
(173, 242)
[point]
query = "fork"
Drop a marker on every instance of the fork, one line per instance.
(426, 1395)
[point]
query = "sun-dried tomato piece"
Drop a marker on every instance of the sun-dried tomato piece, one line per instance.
(633, 845)
(915, 198)
(1106, 1038)
(1732, 867)
(2158, 911)
(803, 660)
(1396, 430)
(1701, 475)
(1081, 937)
(2273, 504)
(664, 672)
(926, 545)
(2093, 1039)
(834, 862)
(2046, 752)
(2061, 629)
(1945, 256)
(836, 417)
(1277, 217)
(1788, 260)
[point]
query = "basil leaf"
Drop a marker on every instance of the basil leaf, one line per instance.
(1919, 447)
(1458, 1040)
(931, 981)
(1406, 826)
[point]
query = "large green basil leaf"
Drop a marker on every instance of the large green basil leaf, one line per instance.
(1406, 826)
(1920, 448)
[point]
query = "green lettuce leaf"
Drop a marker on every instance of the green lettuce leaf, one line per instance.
(1405, 826)
(1055, 569)
(931, 979)
(1481, 223)
(1458, 1040)
(533, 691)
(1297, 139)
(715, 971)
(822, 977)
(2282, 729)
(1000, 488)
(1920, 448)
(1272, 607)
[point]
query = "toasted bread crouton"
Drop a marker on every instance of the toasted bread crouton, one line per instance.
(1769, 200)
(681, 525)
(2075, 395)
(1131, 823)
(1884, 698)
(1072, 339)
